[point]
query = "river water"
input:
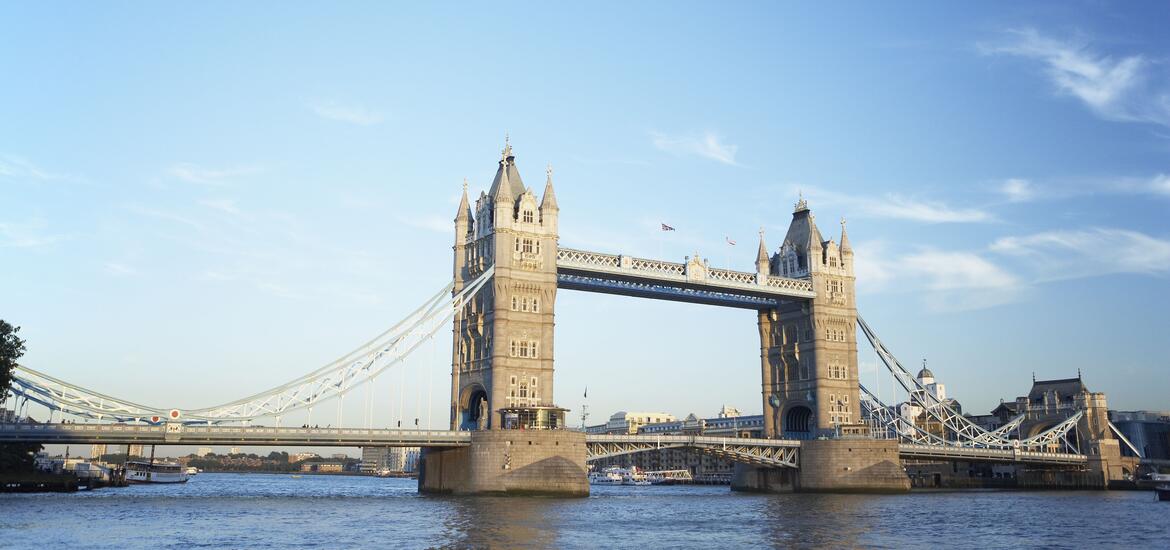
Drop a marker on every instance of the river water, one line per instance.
(279, 511)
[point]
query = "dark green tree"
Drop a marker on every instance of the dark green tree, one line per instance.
(13, 457)
(11, 349)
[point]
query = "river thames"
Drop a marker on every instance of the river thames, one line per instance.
(280, 511)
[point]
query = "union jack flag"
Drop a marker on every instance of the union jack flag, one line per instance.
(667, 228)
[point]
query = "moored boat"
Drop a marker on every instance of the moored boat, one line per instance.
(608, 476)
(155, 472)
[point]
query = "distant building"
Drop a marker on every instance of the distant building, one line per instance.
(339, 456)
(729, 422)
(914, 414)
(97, 451)
(135, 450)
(390, 459)
(298, 457)
(323, 465)
(234, 451)
(203, 451)
(623, 422)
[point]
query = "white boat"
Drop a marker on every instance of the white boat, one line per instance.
(634, 477)
(191, 470)
(608, 476)
(155, 472)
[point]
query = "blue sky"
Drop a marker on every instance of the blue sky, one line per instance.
(199, 202)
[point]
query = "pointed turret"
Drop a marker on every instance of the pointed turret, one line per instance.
(549, 200)
(464, 213)
(762, 255)
(501, 191)
(846, 248)
(805, 237)
(507, 176)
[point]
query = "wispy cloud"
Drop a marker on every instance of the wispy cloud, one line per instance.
(18, 169)
(193, 173)
(28, 234)
(947, 270)
(119, 269)
(348, 113)
(1122, 88)
(707, 145)
(227, 206)
(1058, 255)
(1018, 190)
(945, 280)
(895, 206)
(1160, 184)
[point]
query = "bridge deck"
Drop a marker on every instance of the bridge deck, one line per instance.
(630, 276)
(768, 452)
(916, 451)
(127, 434)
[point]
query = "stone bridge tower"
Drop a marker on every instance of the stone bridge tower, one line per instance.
(502, 352)
(502, 356)
(808, 349)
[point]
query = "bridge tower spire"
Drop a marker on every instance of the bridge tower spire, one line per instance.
(503, 352)
(809, 349)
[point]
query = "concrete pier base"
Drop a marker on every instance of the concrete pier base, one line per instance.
(508, 462)
(831, 466)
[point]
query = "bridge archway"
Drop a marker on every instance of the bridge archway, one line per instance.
(798, 422)
(471, 407)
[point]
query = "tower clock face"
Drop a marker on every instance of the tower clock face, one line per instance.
(774, 400)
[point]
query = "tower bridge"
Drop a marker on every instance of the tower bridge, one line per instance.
(823, 431)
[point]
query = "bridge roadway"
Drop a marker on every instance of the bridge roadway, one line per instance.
(694, 282)
(762, 452)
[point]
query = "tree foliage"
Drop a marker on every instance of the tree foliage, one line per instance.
(11, 349)
(14, 457)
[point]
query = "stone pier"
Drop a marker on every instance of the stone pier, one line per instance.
(511, 462)
(831, 466)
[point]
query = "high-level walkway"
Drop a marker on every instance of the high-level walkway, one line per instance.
(693, 281)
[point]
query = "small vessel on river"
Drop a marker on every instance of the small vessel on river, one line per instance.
(608, 476)
(142, 471)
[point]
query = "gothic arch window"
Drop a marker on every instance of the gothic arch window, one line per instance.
(527, 216)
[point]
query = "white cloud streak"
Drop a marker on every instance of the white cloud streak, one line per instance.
(347, 113)
(1119, 89)
(944, 280)
(192, 173)
(1018, 190)
(14, 168)
(897, 207)
(30, 234)
(707, 145)
(1058, 255)
(227, 206)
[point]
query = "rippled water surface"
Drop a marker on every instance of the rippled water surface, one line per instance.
(278, 511)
